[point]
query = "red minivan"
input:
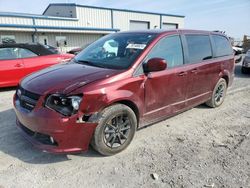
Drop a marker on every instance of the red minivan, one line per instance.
(120, 83)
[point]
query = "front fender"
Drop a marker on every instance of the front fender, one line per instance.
(96, 100)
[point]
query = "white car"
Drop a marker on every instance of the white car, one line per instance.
(237, 50)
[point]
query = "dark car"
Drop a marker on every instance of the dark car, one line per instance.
(19, 60)
(51, 48)
(120, 83)
(246, 63)
(76, 51)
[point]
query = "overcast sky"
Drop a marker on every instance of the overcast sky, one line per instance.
(232, 16)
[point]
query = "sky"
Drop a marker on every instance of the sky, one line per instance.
(231, 16)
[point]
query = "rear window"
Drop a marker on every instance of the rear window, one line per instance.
(199, 48)
(222, 46)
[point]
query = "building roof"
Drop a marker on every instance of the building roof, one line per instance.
(105, 8)
(56, 28)
(27, 15)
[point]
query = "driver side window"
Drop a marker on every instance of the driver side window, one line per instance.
(170, 49)
(8, 53)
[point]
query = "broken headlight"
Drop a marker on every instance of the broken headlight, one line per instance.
(65, 105)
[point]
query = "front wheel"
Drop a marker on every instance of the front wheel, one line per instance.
(219, 94)
(116, 128)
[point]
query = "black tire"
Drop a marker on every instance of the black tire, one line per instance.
(115, 130)
(219, 94)
(244, 70)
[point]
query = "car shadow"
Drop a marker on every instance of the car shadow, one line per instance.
(203, 106)
(12, 143)
(7, 89)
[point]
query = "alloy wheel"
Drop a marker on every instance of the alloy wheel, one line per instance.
(219, 93)
(117, 130)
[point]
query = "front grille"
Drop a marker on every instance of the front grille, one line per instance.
(42, 138)
(27, 99)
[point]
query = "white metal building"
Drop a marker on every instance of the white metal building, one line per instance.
(69, 26)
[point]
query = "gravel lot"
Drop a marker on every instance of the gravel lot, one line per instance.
(202, 147)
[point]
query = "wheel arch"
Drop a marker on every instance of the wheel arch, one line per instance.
(225, 75)
(131, 105)
(226, 78)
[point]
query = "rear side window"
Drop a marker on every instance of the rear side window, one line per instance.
(199, 48)
(25, 53)
(170, 49)
(222, 46)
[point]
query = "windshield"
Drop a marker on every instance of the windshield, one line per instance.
(115, 51)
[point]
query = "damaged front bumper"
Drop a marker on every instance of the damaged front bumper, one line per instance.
(52, 132)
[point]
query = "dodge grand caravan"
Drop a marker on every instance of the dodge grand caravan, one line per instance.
(120, 83)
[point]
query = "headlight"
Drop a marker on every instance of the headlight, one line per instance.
(75, 102)
(66, 105)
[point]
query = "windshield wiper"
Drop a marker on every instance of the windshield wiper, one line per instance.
(83, 62)
(89, 63)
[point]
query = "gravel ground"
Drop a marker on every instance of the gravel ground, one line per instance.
(202, 147)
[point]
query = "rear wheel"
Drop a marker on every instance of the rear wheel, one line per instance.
(116, 128)
(219, 94)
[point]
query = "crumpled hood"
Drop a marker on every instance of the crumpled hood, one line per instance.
(64, 78)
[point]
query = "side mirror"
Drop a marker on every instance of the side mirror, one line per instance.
(155, 64)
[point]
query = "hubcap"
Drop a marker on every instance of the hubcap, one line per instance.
(219, 93)
(116, 131)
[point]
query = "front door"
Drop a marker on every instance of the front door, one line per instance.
(165, 91)
(11, 66)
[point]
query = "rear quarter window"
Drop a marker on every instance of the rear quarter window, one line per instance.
(222, 46)
(25, 53)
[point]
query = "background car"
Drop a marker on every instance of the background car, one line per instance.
(52, 49)
(19, 60)
(76, 51)
(237, 50)
(246, 63)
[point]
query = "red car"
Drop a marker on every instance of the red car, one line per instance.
(19, 60)
(120, 83)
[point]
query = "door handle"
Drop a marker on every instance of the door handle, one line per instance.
(182, 73)
(194, 70)
(18, 65)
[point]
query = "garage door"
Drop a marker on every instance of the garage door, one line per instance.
(169, 26)
(138, 25)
